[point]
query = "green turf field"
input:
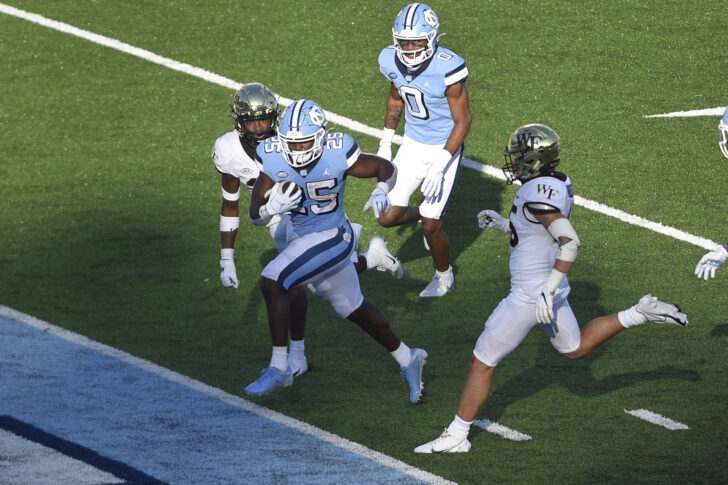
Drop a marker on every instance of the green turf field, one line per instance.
(109, 209)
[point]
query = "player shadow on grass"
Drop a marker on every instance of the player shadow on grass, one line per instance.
(552, 369)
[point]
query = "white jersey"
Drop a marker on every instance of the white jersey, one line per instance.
(533, 249)
(230, 158)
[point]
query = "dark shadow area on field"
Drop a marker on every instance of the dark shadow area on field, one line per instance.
(720, 331)
(550, 368)
(473, 192)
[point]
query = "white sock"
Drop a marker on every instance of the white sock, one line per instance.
(459, 428)
(445, 275)
(373, 258)
(298, 350)
(279, 358)
(631, 317)
(402, 355)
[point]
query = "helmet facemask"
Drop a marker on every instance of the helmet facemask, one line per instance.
(302, 122)
(723, 143)
(416, 21)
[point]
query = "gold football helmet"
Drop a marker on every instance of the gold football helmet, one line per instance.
(531, 148)
(253, 102)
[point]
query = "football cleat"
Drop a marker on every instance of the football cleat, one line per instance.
(660, 312)
(270, 379)
(389, 262)
(297, 367)
(413, 374)
(445, 443)
(438, 287)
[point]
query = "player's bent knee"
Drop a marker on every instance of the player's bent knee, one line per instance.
(271, 287)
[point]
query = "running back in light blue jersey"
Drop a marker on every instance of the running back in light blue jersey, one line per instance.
(322, 181)
(427, 116)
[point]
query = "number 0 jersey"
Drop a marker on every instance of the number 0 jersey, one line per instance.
(427, 113)
(533, 249)
(323, 181)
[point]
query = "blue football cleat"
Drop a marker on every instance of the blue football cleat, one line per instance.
(269, 380)
(413, 374)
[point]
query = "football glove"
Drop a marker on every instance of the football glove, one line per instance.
(710, 262)
(379, 200)
(490, 218)
(432, 185)
(545, 306)
(281, 201)
(385, 144)
(228, 275)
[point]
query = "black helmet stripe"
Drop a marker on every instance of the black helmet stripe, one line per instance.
(410, 18)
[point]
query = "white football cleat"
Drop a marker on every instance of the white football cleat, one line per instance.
(389, 262)
(660, 312)
(439, 286)
(445, 443)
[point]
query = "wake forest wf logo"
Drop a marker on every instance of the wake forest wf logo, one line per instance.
(528, 140)
(547, 190)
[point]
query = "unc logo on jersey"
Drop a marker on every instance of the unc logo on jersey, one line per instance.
(347, 237)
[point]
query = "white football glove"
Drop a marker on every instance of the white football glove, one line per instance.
(545, 306)
(432, 185)
(281, 201)
(228, 275)
(710, 262)
(490, 218)
(385, 144)
(379, 200)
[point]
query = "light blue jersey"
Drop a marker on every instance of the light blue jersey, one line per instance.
(725, 116)
(427, 118)
(323, 182)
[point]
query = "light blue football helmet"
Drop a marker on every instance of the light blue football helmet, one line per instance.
(303, 121)
(417, 21)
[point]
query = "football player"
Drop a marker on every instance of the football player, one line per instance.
(544, 246)
(711, 261)
(305, 167)
(255, 111)
(427, 82)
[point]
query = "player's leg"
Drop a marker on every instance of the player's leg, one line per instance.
(297, 362)
(432, 213)
(279, 314)
(647, 309)
(505, 329)
(409, 178)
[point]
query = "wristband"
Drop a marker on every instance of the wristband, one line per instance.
(227, 253)
(387, 135)
(554, 280)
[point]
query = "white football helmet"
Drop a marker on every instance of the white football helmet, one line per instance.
(302, 122)
(723, 128)
(417, 21)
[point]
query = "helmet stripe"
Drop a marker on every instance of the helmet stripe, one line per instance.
(410, 17)
(296, 115)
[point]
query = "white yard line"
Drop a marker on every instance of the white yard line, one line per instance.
(689, 114)
(500, 430)
(657, 419)
(355, 125)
